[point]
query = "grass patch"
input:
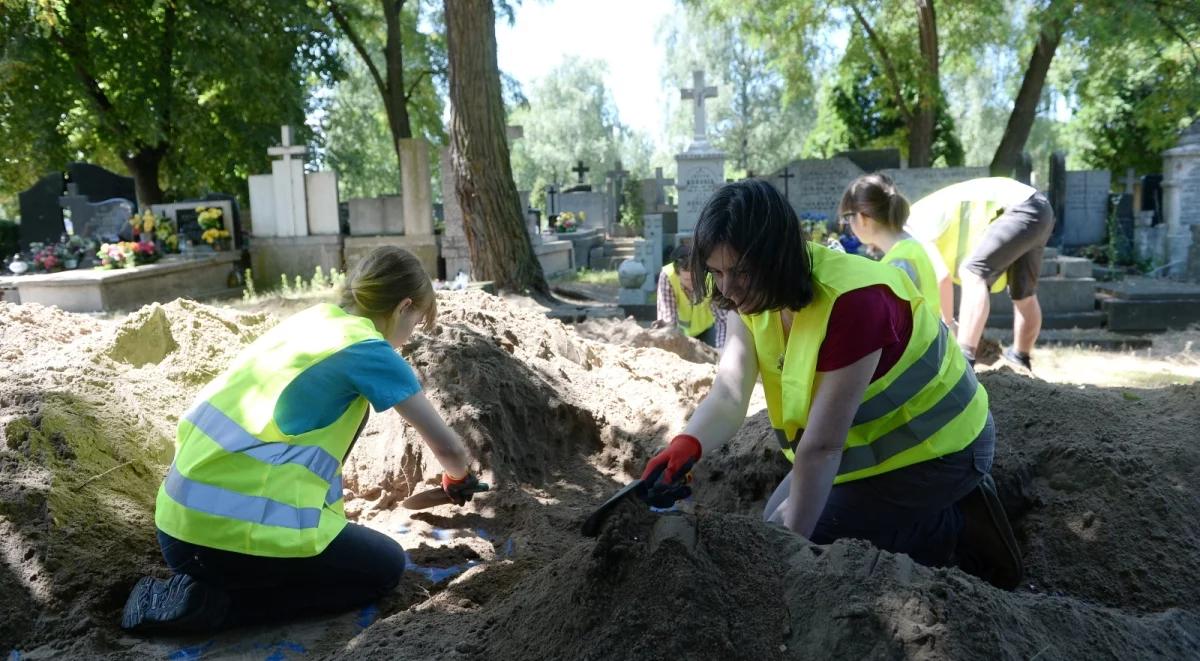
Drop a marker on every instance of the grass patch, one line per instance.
(590, 277)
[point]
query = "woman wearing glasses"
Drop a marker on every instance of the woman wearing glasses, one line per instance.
(875, 212)
(889, 432)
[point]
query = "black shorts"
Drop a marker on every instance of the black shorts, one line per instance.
(1014, 244)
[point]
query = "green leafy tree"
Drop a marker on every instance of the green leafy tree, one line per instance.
(752, 119)
(402, 64)
(570, 116)
(175, 91)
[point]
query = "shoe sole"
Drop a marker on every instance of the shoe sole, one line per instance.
(193, 606)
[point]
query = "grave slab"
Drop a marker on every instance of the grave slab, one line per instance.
(1150, 315)
(1139, 289)
(271, 257)
(425, 248)
(1074, 267)
(96, 290)
(556, 257)
(1055, 295)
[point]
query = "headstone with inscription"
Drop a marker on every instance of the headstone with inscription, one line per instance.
(1181, 196)
(700, 169)
(106, 221)
(1085, 207)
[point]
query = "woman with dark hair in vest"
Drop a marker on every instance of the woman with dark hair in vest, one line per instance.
(888, 430)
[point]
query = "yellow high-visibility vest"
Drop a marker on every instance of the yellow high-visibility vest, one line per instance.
(693, 319)
(927, 405)
(953, 219)
(238, 483)
(909, 256)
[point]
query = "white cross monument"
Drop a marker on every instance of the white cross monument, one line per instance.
(287, 178)
(697, 93)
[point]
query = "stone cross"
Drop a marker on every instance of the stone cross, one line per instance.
(616, 177)
(514, 132)
(697, 94)
(287, 150)
(661, 182)
(551, 191)
(1130, 180)
(580, 170)
(785, 176)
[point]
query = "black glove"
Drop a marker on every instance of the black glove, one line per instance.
(462, 489)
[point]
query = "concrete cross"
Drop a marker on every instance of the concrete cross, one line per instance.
(514, 132)
(785, 176)
(287, 150)
(580, 170)
(1130, 180)
(697, 94)
(661, 182)
(617, 173)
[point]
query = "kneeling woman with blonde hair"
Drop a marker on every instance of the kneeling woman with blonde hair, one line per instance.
(250, 516)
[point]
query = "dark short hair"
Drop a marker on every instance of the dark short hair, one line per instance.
(875, 195)
(681, 257)
(753, 218)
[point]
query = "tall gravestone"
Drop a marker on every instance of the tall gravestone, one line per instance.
(1085, 208)
(455, 252)
(1181, 197)
(41, 215)
(701, 168)
(1058, 195)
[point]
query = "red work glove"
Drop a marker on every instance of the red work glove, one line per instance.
(460, 489)
(670, 467)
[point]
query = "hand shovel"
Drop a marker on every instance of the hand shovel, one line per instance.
(591, 527)
(434, 497)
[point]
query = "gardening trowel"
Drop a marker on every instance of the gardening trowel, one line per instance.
(434, 497)
(635, 489)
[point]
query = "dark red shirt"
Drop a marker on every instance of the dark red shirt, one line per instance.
(863, 320)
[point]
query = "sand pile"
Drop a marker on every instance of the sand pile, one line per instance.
(87, 424)
(1099, 482)
(627, 333)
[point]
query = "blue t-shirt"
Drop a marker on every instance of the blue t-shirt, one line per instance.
(323, 392)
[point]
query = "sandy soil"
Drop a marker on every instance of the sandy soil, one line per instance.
(1100, 483)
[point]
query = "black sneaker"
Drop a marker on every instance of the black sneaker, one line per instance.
(1016, 359)
(986, 546)
(179, 603)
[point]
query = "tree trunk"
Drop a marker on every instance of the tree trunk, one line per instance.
(143, 167)
(1024, 111)
(492, 219)
(924, 118)
(393, 97)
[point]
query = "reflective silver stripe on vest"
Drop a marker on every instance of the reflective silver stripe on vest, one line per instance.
(914, 379)
(335, 490)
(915, 432)
(232, 505)
(905, 437)
(230, 436)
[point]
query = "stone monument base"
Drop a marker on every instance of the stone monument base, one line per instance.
(271, 257)
(97, 290)
(556, 257)
(424, 247)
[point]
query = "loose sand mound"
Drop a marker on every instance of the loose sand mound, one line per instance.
(627, 333)
(1100, 484)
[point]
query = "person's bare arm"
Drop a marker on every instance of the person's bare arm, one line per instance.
(946, 294)
(720, 414)
(445, 444)
(818, 454)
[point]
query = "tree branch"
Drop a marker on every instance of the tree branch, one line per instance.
(1179, 35)
(339, 17)
(91, 86)
(416, 81)
(888, 66)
